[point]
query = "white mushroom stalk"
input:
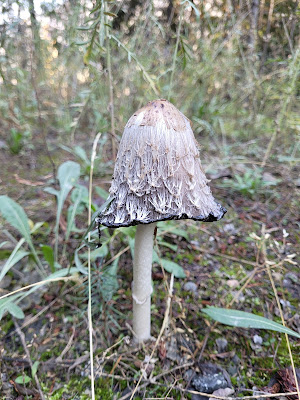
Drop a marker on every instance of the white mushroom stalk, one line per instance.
(142, 281)
(158, 176)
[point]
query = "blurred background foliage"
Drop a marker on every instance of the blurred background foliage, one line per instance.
(69, 69)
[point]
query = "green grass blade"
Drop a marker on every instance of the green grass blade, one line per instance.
(243, 319)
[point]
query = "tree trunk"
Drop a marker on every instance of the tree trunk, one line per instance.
(254, 26)
(267, 36)
(35, 36)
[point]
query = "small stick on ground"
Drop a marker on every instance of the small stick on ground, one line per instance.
(22, 337)
(68, 346)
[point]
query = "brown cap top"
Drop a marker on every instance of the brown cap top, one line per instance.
(158, 174)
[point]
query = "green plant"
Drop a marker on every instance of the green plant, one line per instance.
(9, 302)
(14, 214)
(250, 183)
(15, 141)
(68, 174)
(23, 379)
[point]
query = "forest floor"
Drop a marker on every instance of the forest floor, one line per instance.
(225, 264)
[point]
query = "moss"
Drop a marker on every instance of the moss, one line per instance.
(4, 254)
(6, 326)
(78, 388)
(283, 354)
(234, 381)
(48, 354)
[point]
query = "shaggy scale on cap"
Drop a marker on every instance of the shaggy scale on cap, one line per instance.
(158, 174)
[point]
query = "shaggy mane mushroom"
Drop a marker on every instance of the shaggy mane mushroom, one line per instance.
(157, 177)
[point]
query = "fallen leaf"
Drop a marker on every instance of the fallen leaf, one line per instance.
(27, 182)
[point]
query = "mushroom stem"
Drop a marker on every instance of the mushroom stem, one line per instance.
(141, 285)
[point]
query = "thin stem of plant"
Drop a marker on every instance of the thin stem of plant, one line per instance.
(175, 52)
(264, 252)
(65, 278)
(81, 113)
(38, 261)
(116, 256)
(111, 87)
(22, 337)
(89, 266)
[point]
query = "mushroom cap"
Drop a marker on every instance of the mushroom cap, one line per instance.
(158, 174)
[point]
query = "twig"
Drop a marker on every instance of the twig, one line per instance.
(89, 266)
(237, 295)
(78, 361)
(152, 380)
(67, 348)
(215, 253)
(287, 35)
(50, 363)
(205, 340)
(34, 318)
(169, 371)
(125, 338)
(116, 256)
(22, 337)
